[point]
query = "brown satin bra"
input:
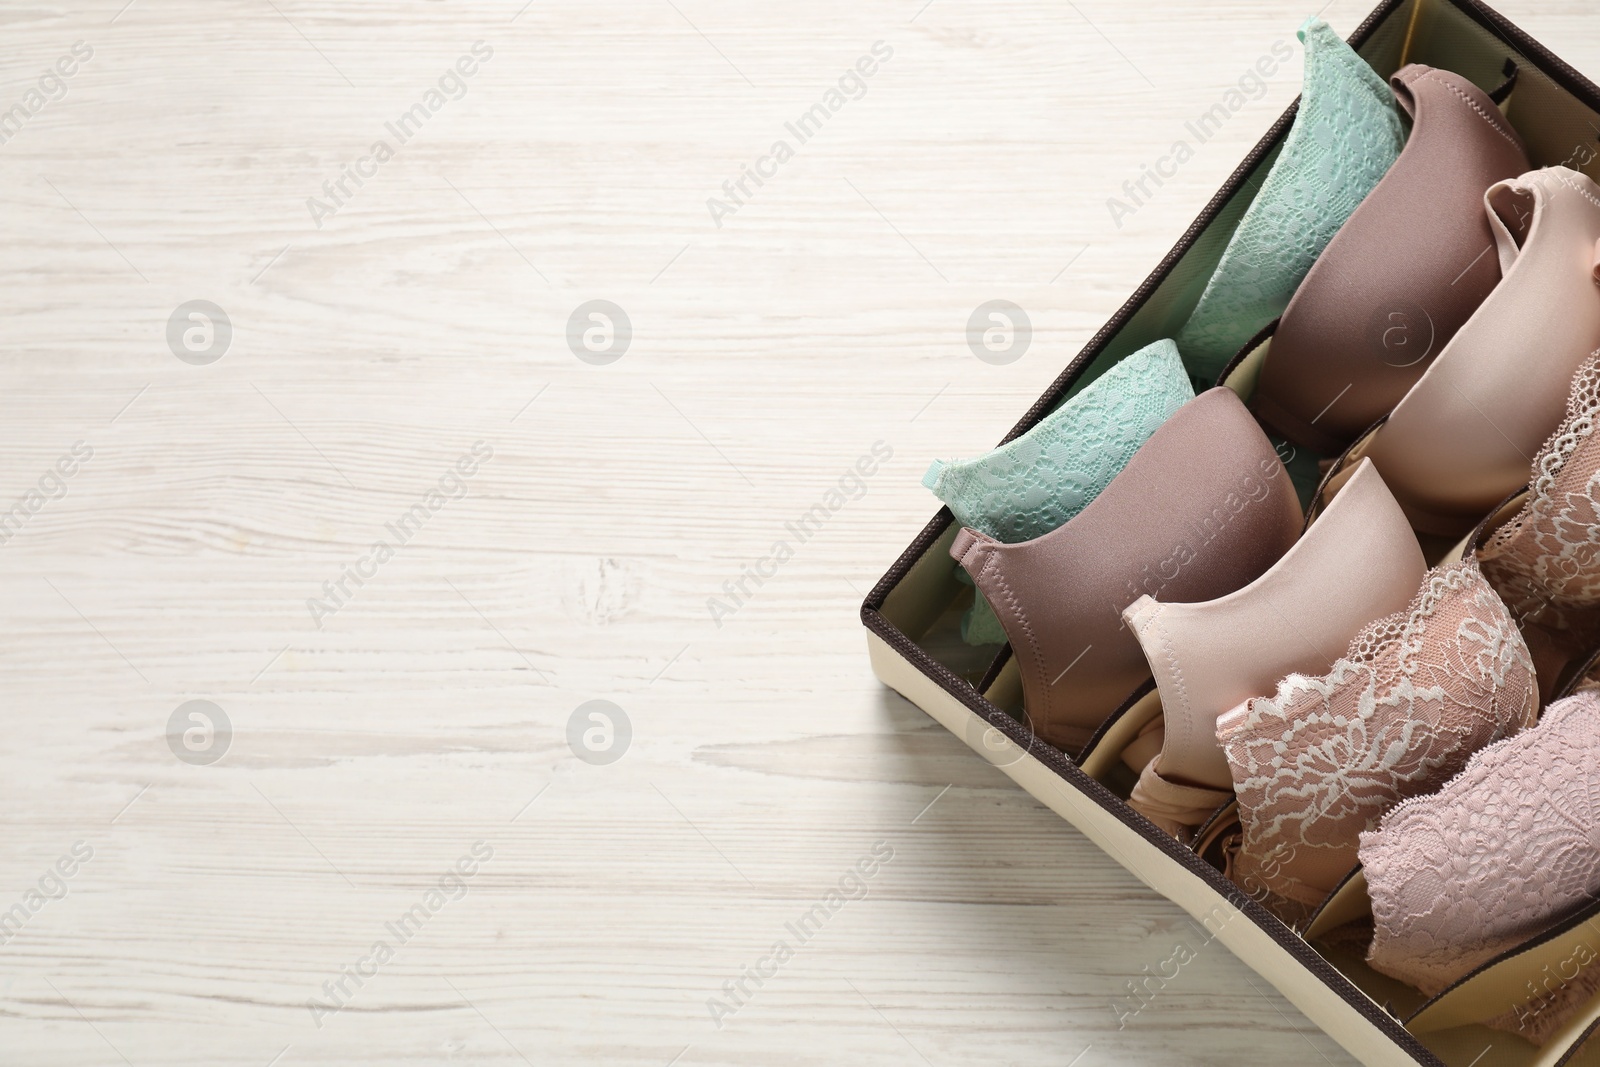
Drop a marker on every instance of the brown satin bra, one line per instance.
(1402, 275)
(1203, 508)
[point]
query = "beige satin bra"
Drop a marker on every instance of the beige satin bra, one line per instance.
(1357, 562)
(1461, 439)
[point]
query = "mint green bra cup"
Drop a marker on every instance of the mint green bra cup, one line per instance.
(1035, 483)
(1345, 136)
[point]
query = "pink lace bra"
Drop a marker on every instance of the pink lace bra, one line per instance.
(1545, 562)
(1497, 856)
(1416, 694)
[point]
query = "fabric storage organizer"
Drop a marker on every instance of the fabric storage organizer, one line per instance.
(913, 613)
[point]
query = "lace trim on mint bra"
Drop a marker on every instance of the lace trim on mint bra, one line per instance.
(1416, 694)
(1346, 135)
(1037, 482)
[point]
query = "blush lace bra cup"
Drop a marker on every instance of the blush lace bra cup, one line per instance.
(1357, 562)
(1416, 694)
(1545, 562)
(1402, 275)
(1034, 483)
(1346, 133)
(1202, 509)
(1461, 438)
(1500, 854)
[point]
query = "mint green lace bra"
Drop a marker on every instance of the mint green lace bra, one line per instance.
(1345, 136)
(1035, 483)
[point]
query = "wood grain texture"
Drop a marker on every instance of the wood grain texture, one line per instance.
(430, 712)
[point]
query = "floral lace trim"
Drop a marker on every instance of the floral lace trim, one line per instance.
(1459, 877)
(1346, 135)
(1417, 693)
(1545, 562)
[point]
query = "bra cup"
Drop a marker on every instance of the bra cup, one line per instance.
(1202, 509)
(1545, 561)
(1401, 276)
(1040, 479)
(1357, 562)
(1486, 864)
(1396, 717)
(1346, 135)
(1460, 440)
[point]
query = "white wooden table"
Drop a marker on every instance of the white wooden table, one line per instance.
(228, 912)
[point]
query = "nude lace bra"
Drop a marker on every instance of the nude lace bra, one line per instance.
(1397, 716)
(1545, 562)
(1204, 507)
(1345, 136)
(1402, 275)
(1502, 852)
(1357, 562)
(1460, 439)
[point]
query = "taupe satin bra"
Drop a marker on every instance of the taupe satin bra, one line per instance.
(1460, 440)
(1401, 276)
(1203, 508)
(1357, 562)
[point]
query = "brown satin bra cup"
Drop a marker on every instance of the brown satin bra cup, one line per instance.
(1204, 507)
(1461, 438)
(1400, 277)
(1358, 561)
